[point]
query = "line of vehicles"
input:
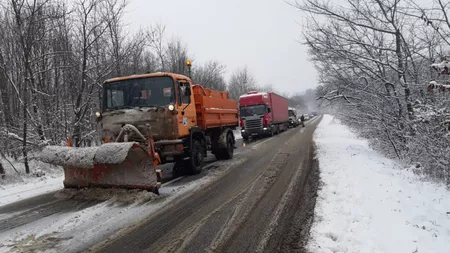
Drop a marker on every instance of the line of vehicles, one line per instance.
(152, 119)
(265, 113)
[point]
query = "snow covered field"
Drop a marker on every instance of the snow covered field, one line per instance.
(368, 203)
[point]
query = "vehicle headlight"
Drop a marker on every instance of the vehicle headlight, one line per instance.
(98, 114)
(171, 107)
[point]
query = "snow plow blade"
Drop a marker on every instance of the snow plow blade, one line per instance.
(111, 165)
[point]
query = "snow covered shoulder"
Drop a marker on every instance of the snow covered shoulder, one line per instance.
(369, 203)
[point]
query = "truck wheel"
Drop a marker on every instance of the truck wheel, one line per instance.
(180, 167)
(226, 153)
(196, 158)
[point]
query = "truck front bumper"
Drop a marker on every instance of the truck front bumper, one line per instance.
(256, 132)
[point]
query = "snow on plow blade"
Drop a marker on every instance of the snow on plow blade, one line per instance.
(111, 165)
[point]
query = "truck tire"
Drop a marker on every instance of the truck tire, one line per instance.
(179, 168)
(227, 152)
(196, 158)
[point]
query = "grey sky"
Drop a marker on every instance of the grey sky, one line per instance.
(261, 34)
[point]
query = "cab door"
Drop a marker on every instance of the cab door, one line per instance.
(187, 116)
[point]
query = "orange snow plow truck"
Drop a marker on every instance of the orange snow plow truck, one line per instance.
(147, 120)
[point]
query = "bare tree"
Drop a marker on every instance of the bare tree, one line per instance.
(211, 75)
(54, 57)
(373, 58)
(91, 27)
(156, 36)
(113, 17)
(241, 82)
(176, 56)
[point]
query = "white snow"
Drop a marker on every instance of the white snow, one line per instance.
(17, 185)
(75, 230)
(108, 153)
(369, 203)
(436, 85)
(253, 94)
(19, 191)
(441, 66)
(237, 133)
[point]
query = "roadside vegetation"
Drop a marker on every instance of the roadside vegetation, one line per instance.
(383, 70)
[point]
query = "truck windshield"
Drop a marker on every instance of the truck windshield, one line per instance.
(142, 92)
(253, 110)
(291, 113)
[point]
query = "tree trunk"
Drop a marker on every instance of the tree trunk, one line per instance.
(2, 171)
(25, 129)
(401, 73)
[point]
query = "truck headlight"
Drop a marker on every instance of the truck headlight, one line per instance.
(171, 107)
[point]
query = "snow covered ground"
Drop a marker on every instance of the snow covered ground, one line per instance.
(368, 203)
(18, 186)
(73, 230)
(15, 192)
(237, 133)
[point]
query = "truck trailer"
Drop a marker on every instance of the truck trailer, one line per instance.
(147, 120)
(263, 114)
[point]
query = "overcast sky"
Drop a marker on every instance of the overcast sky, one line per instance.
(262, 34)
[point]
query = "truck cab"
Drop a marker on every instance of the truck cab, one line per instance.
(160, 105)
(182, 120)
(293, 121)
(255, 117)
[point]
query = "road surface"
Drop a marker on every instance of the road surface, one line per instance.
(260, 202)
(258, 206)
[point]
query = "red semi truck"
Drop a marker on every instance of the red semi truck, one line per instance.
(263, 113)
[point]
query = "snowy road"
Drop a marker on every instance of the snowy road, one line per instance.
(256, 205)
(51, 223)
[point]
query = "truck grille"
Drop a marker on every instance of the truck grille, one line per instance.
(253, 124)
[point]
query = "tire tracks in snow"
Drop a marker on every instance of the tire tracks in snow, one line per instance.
(43, 211)
(238, 212)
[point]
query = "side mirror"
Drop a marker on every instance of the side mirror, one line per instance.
(269, 110)
(187, 91)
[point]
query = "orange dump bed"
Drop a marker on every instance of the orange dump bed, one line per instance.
(214, 108)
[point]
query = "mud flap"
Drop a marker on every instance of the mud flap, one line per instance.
(111, 165)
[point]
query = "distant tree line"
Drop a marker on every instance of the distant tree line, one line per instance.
(375, 62)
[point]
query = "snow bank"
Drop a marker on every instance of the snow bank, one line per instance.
(17, 185)
(369, 203)
(30, 188)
